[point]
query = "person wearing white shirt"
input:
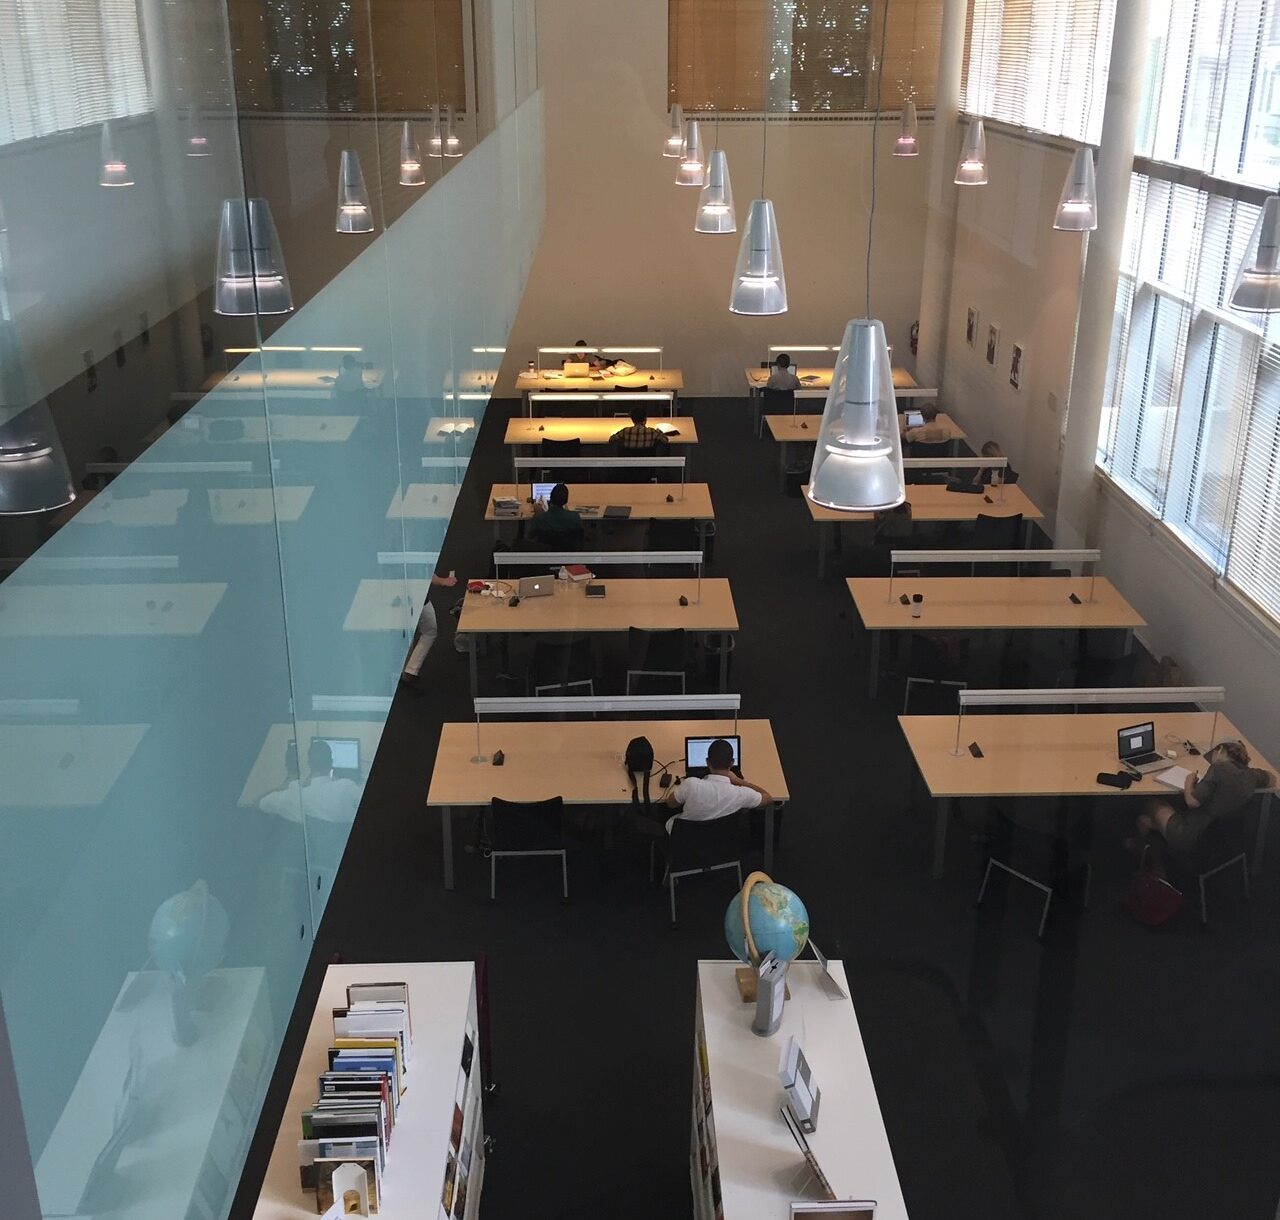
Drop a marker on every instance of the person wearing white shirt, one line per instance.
(719, 795)
(782, 376)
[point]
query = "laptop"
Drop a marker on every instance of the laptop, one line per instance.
(1137, 748)
(537, 586)
(542, 492)
(915, 419)
(617, 511)
(345, 752)
(577, 368)
(695, 755)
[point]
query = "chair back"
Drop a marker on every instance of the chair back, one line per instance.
(996, 533)
(567, 448)
(928, 449)
(643, 388)
(1223, 839)
(655, 649)
(779, 402)
(526, 825)
(703, 844)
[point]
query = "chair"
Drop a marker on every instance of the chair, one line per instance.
(774, 402)
(995, 534)
(700, 847)
(928, 449)
(1059, 845)
(665, 535)
(571, 448)
(1221, 846)
(561, 667)
(643, 388)
(526, 828)
(655, 654)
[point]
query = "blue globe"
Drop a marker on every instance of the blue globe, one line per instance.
(188, 933)
(779, 923)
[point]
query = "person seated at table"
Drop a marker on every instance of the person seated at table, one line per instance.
(782, 376)
(718, 795)
(350, 378)
(586, 356)
(639, 436)
(894, 523)
(932, 431)
(995, 474)
(1177, 822)
(555, 522)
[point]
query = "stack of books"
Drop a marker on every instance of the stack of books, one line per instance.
(354, 1115)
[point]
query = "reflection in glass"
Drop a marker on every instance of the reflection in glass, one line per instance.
(34, 477)
(435, 142)
(674, 142)
(115, 171)
(1078, 204)
(354, 213)
(972, 170)
(452, 144)
(196, 143)
(251, 275)
(908, 142)
(410, 158)
(1257, 287)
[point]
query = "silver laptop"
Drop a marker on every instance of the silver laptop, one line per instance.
(1137, 748)
(537, 586)
(915, 419)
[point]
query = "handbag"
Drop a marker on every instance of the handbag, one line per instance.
(1151, 900)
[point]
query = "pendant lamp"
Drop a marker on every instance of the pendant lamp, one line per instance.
(692, 170)
(354, 213)
(410, 158)
(34, 475)
(197, 143)
(1078, 203)
(972, 170)
(759, 286)
(435, 141)
(674, 141)
(251, 276)
(715, 203)
(452, 144)
(857, 461)
(115, 172)
(908, 142)
(1257, 287)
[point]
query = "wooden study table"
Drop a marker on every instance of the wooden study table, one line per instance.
(442, 428)
(581, 761)
(335, 428)
(670, 380)
(653, 604)
(269, 774)
(257, 505)
(424, 502)
(107, 609)
(987, 603)
(680, 430)
(814, 379)
(931, 502)
(287, 381)
(1053, 754)
(159, 506)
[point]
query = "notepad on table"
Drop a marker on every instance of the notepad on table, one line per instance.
(1173, 777)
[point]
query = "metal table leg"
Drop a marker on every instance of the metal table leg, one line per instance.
(473, 645)
(446, 830)
(782, 466)
(822, 549)
(768, 838)
(724, 660)
(1259, 846)
(874, 679)
(941, 819)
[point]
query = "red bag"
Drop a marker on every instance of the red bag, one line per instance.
(1151, 900)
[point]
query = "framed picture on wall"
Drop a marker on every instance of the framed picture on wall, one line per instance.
(1015, 367)
(993, 344)
(971, 327)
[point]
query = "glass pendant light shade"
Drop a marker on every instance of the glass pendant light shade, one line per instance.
(972, 170)
(1257, 287)
(674, 141)
(354, 213)
(251, 276)
(34, 476)
(692, 168)
(857, 461)
(715, 204)
(410, 158)
(452, 144)
(1078, 203)
(115, 172)
(435, 141)
(759, 286)
(196, 143)
(908, 142)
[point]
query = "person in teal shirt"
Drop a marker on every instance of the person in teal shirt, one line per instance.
(556, 523)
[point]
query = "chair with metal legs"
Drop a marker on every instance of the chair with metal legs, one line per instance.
(526, 828)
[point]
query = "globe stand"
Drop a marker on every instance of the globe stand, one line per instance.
(747, 981)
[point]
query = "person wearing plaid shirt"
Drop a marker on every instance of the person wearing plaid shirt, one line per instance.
(639, 435)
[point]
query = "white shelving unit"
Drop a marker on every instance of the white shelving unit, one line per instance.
(753, 1167)
(442, 1000)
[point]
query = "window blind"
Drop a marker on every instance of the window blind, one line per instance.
(1039, 64)
(69, 63)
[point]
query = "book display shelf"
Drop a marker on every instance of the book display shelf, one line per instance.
(434, 1160)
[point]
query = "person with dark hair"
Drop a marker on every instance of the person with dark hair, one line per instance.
(586, 356)
(350, 379)
(639, 436)
(782, 376)
(556, 522)
(931, 431)
(425, 637)
(719, 794)
(991, 474)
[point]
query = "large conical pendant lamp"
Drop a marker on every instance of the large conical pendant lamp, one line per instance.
(435, 141)
(115, 171)
(196, 143)
(452, 144)
(857, 461)
(1078, 203)
(715, 203)
(674, 142)
(692, 170)
(34, 475)
(251, 276)
(410, 158)
(1257, 286)
(759, 285)
(972, 170)
(908, 142)
(354, 212)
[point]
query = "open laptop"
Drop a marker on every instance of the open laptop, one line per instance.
(915, 419)
(577, 368)
(542, 492)
(537, 586)
(345, 752)
(1137, 748)
(695, 754)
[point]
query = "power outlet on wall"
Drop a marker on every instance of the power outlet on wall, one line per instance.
(90, 372)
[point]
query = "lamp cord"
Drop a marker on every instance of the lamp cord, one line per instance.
(764, 92)
(875, 127)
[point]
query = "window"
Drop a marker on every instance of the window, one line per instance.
(69, 63)
(821, 54)
(1039, 64)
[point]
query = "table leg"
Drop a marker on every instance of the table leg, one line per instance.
(769, 815)
(822, 549)
(472, 663)
(942, 817)
(725, 637)
(1259, 846)
(446, 830)
(874, 678)
(782, 467)
(1026, 533)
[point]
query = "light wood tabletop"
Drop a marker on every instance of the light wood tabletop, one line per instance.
(680, 429)
(449, 428)
(933, 502)
(1051, 754)
(158, 507)
(581, 761)
(257, 505)
(286, 381)
(107, 609)
(656, 379)
(820, 378)
(335, 428)
(803, 429)
(386, 605)
(647, 501)
(424, 501)
(269, 773)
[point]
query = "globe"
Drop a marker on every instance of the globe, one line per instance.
(779, 921)
(188, 933)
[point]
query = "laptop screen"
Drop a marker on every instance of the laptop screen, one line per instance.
(1138, 739)
(345, 752)
(915, 419)
(542, 491)
(695, 750)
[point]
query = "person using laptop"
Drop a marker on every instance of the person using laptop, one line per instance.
(930, 431)
(1221, 792)
(716, 795)
(555, 523)
(782, 376)
(428, 629)
(587, 357)
(639, 436)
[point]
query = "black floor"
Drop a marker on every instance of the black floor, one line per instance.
(1109, 1072)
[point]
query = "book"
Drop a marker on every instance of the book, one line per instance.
(1173, 777)
(579, 573)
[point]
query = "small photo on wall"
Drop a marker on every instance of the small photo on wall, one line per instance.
(1015, 367)
(971, 328)
(993, 344)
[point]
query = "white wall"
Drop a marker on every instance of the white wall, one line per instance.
(619, 261)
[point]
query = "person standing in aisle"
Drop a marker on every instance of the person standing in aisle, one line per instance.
(427, 632)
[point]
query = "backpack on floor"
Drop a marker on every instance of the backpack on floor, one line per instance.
(1151, 900)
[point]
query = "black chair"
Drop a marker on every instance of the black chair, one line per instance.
(700, 847)
(928, 449)
(525, 828)
(571, 448)
(995, 533)
(563, 667)
(774, 402)
(642, 388)
(656, 654)
(1221, 846)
